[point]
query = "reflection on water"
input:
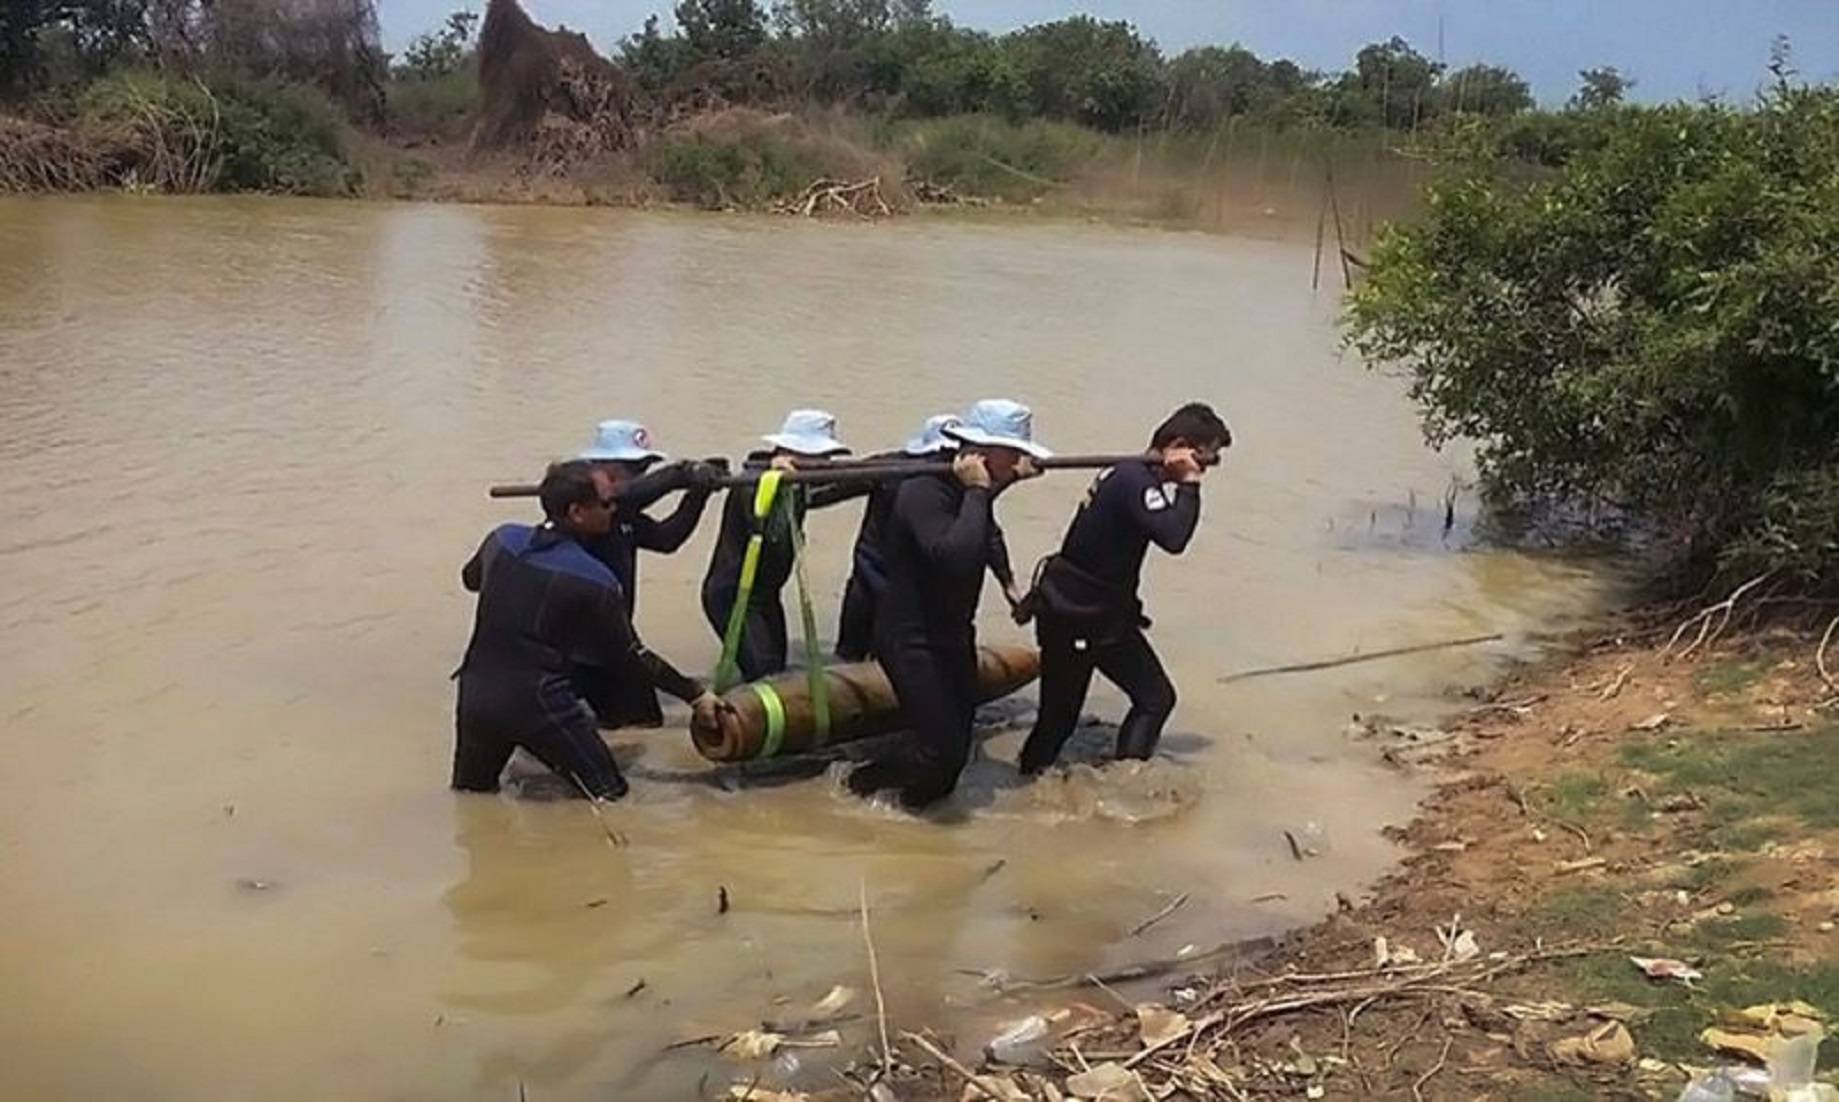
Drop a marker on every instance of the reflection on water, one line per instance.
(243, 446)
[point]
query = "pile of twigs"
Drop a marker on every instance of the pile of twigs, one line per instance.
(1195, 1052)
(35, 157)
(862, 199)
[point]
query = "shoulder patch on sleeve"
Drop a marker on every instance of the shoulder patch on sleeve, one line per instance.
(1156, 498)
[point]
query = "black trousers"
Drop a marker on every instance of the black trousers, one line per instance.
(493, 719)
(763, 636)
(855, 629)
(937, 690)
(1067, 664)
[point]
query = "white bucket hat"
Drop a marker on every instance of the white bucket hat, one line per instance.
(621, 442)
(932, 438)
(808, 432)
(999, 423)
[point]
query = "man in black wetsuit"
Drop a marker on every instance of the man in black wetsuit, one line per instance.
(543, 599)
(855, 635)
(937, 546)
(807, 439)
(1087, 613)
(622, 697)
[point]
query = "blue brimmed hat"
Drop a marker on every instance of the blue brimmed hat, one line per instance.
(808, 432)
(999, 423)
(932, 438)
(621, 442)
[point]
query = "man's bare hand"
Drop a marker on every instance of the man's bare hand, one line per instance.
(971, 470)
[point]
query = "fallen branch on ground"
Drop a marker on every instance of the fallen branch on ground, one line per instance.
(862, 198)
(1719, 614)
(1352, 659)
(1819, 656)
(1235, 950)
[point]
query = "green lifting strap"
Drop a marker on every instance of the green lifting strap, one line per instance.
(814, 662)
(775, 719)
(765, 495)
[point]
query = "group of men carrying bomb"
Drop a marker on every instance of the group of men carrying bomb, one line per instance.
(554, 654)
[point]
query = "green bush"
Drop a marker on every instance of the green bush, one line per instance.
(439, 107)
(743, 170)
(225, 133)
(993, 157)
(1650, 329)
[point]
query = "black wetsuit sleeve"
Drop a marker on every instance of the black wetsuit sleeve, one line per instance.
(1171, 525)
(616, 624)
(652, 487)
(667, 535)
(1002, 567)
(472, 575)
(954, 536)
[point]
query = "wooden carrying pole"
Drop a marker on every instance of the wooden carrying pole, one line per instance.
(830, 473)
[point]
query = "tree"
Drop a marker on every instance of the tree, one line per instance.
(21, 22)
(441, 52)
(1486, 90)
(1646, 331)
(1082, 70)
(1604, 86)
(934, 68)
(1211, 84)
(654, 58)
(1391, 84)
(830, 41)
(725, 29)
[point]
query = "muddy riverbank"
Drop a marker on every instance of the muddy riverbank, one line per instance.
(1623, 802)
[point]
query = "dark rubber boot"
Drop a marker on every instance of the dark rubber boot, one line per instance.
(1137, 737)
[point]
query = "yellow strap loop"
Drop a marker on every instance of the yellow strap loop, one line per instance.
(727, 671)
(775, 719)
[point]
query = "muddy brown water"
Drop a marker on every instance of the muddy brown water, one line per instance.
(243, 449)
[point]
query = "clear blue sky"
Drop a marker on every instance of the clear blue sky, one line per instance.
(1673, 48)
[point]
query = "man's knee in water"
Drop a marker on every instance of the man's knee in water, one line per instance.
(1151, 693)
(1156, 699)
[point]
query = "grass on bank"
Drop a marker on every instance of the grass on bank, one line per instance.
(1748, 788)
(144, 131)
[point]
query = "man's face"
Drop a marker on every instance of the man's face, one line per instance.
(1002, 463)
(1208, 452)
(596, 518)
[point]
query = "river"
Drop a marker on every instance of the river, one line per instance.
(243, 451)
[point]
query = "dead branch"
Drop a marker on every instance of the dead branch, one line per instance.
(1718, 614)
(1819, 656)
(945, 1059)
(1372, 656)
(1179, 902)
(1417, 1088)
(1621, 680)
(862, 199)
(1144, 970)
(874, 975)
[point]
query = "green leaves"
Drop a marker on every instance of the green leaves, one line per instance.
(1651, 330)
